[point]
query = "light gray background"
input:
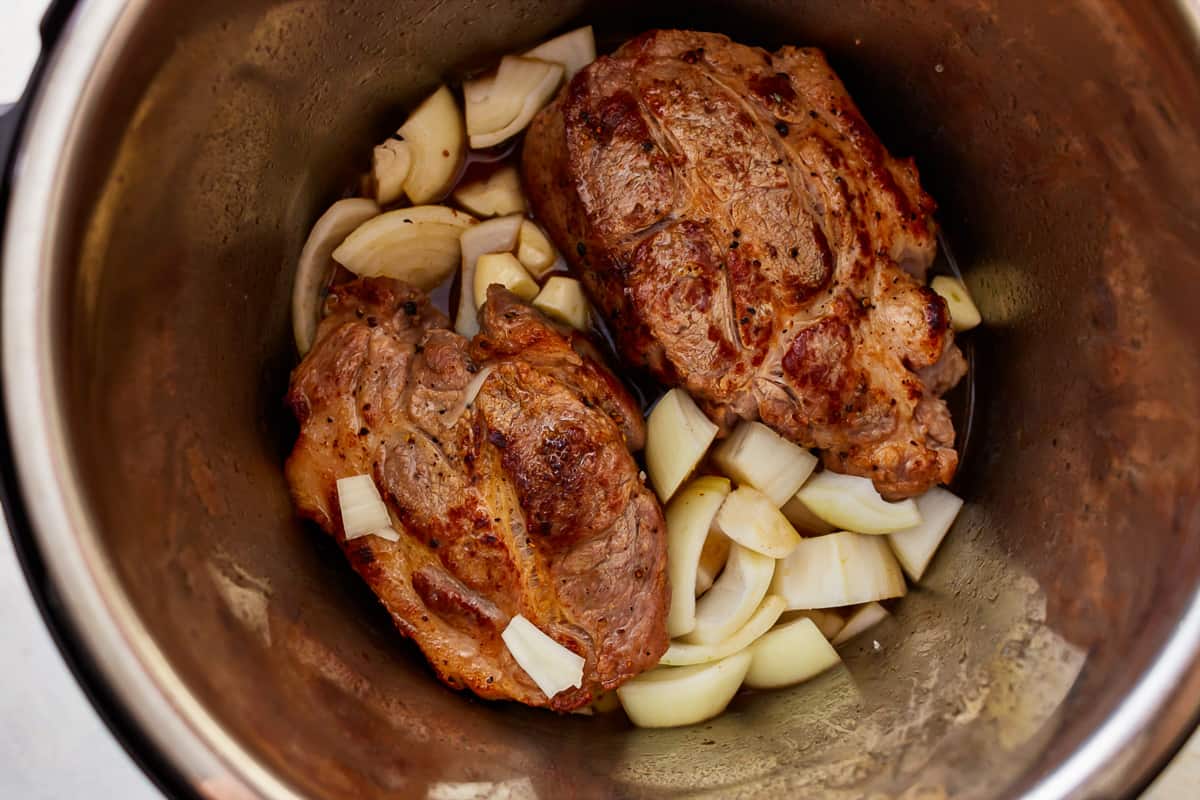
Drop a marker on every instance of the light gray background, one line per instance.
(52, 744)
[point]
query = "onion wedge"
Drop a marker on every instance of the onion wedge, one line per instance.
(418, 245)
(681, 654)
(499, 106)
(677, 437)
(551, 666)
(915, 546)
(789, 654)
(504, 269)
(314, 267)
(852, 504)
(496, 195)
(493, 236)
(535, 251)
(754, 455)
(864, 617)
(671, 696)
(840, 569)
(390, 165)
(689, 519)
(562, 299)
(734, 598)
(749, 518)
(574, 50)
(435, 135)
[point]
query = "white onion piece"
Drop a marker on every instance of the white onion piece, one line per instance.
(805, 521)
(754, 455)
(964, 315)
(671, 696)
(418, 245)
(734, 598)
(500, 106)
(682, 654)
(915, 546)
(496, 195)
(562, 299)
(435, 134)
(551, 666)
(852, 504)
(749, 518)
(840, 569)
(387, 533)
(788, 655)
(864, 617)
(535, 251)
(470, 392)
(390, 165)
(712, 560)
(493, 236)
(574, 50)
(829, 623)
(677, 437)
(504, 269)
(363, 510)
(314, 267)
(689, 518)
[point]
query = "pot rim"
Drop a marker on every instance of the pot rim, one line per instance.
(1118, 757)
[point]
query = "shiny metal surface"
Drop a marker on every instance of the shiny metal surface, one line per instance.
(177, 154)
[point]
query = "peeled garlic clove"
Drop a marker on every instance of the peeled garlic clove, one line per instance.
(677, 437)
(437, 139)
(504, 269)
(851, 503)
(493, 236)
(574, 50)
(689, 517)
(840, 569)
(313, 269)
(681, 654)
(562, 299)
(498, 194)
(734, 598)
(964, 315)
(671, 696)
(864, 617)
(754, 455)
(749, 518)
(789, 654)
(418, 245)
(915, 546)
(499, 106)
(535, 251)
(390, 165)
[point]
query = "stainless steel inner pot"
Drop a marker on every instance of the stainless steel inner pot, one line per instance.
(176, 154)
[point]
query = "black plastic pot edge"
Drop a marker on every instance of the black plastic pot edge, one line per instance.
(156, 767)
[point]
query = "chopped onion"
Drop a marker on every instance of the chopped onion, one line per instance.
(805, 521)
(418, 245)
(734, 598)
(681, 654)
(390, 165)
(864, 617)
(493, 236)
(964, 315)
(677, 436)
(536, 253)
(314, 267)
(689, 519)
(574, 50)
(712, 560)
(363, 510)
(670, 696)
(915, 546)
(754, 455)
(789, 654)
(851, 503)
(828, 622)
(499, 106)
(470, 392)
(840, 569)
(435, 134)
(551, 666)
(749, 518)
(562, 299)
(504, 269)
(497, 195)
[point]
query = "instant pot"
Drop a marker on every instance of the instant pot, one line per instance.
(168, 161)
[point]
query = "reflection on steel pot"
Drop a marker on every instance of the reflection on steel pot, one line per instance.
(173, 159)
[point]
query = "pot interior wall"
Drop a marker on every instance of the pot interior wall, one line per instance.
(1062, 141)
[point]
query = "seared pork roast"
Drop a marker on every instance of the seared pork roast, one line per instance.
(747, 237)
(524, 499)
